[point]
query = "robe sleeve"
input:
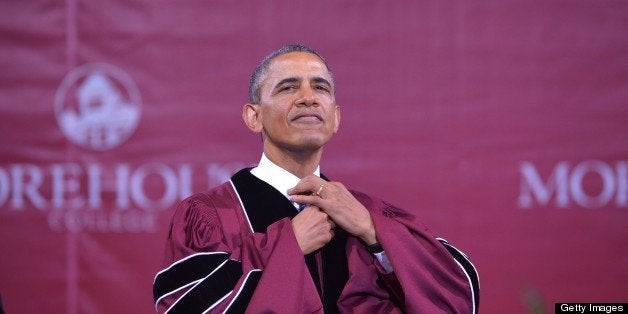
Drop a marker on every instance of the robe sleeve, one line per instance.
(429, 275)
(212, 266)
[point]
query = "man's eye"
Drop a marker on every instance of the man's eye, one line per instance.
(323, 88)
(287, 88)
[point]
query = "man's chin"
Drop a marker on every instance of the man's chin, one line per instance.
(309, 145)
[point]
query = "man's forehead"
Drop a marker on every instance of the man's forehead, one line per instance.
(302, 65)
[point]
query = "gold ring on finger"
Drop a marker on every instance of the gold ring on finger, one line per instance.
(320, 188)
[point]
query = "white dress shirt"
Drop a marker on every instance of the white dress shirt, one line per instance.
(277, 177)
(282, 180)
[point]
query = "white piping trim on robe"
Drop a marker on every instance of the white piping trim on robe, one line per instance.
(240, 290)
(242, 205)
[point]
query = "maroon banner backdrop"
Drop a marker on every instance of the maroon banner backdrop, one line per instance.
(502, 124)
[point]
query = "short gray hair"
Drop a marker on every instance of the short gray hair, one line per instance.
(255, 83)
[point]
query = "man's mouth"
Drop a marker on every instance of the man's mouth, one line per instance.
(308, 117)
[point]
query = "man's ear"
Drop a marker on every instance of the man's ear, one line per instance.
(336, 118)
(251, 117)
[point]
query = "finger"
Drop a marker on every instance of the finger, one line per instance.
(307, 199)
(303, 187)
(331, 223)
(307, 185)
(319, 190)
(308, 209)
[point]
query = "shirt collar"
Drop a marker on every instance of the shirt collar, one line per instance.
(277, 177)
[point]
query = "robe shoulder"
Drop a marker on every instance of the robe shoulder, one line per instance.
(205, 222)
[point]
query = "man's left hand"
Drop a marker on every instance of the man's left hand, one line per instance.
(335, 200)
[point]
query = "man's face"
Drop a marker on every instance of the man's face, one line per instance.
(297, 109)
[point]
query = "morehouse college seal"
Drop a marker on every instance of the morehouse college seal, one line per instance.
(98, 106)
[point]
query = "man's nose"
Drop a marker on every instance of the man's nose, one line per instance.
(307, 97)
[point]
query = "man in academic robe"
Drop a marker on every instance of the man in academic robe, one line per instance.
(283, 238)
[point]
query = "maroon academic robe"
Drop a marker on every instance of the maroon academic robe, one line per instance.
(233, 250)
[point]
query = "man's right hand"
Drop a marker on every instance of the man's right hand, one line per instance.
(312, 228)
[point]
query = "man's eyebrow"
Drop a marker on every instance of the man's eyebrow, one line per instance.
(286, 80)
(319, 79)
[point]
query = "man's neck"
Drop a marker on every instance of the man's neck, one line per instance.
(298, 163)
